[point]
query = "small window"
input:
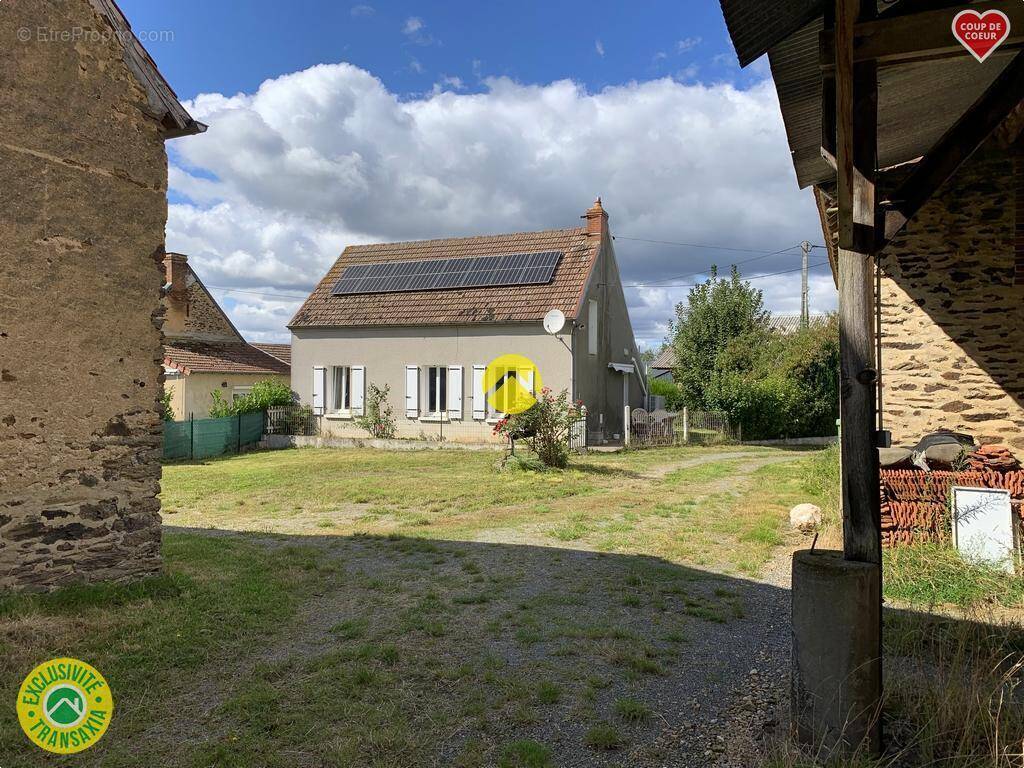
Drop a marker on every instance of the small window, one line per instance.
(592, 326)
(239, 392)
(341, 388)
(437, 389)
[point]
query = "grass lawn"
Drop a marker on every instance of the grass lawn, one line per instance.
(387, 609)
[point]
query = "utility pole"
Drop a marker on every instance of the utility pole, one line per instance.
(805, 312)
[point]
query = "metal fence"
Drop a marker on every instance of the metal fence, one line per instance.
(204, 438)
(655, 428)
(578, 433)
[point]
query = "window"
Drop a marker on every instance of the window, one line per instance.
(437, 389)
(341, 388)
(592, 326)
(239, 392)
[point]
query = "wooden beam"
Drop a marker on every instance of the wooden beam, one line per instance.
(924, 36)
(952, 150)
(857, 149)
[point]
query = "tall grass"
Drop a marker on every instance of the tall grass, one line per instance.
(953, 694)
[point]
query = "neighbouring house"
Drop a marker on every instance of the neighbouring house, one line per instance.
(663, 364)
(282, 352)
(425, 318)
(83, 189)
(203, 351)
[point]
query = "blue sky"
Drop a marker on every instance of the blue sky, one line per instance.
(227, 47)
(341, 123)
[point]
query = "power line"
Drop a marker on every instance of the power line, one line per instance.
(702, 245)
(734, 264)
(755, 277)
(261, 293)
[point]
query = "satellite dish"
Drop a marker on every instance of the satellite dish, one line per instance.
(554, 321)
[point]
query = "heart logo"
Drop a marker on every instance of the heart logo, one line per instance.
(981, 33)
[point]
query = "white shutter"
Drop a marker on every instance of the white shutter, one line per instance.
(412, 391)
(319, 388)
(454, 391)
(526, 377)
(479, 400)
(358, 385)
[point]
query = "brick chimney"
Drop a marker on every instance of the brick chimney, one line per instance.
(597, 220)
(176, 269)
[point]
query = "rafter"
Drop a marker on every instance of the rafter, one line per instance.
(949, 153)
(921, 36)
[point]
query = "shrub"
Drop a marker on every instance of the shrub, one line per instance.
(545, 426)
(166, 411)
(264, 394)
(378, 418)
(672, 394)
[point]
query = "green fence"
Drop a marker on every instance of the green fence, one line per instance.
(203, 438)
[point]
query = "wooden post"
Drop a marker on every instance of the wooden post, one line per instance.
(856, 163)
(857, 140)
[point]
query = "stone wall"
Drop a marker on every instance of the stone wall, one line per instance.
(83, 178)
(191, 311)
(951, 313)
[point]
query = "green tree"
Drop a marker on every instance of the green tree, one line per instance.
(717, 313)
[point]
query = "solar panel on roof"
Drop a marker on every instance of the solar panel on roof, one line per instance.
(442, 274)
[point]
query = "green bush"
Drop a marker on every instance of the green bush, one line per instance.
(264, 394)
(770, 384)
(672, 394)
(545, 426)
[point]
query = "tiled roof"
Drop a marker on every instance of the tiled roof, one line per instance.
(666, 359)
(221, 357)
(459, 306)
(282, 352)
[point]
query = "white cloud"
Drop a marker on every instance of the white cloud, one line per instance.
(362, 10)
(688, 44)
(416, 30)
(599, 47)
(326, 157)
(415, 65)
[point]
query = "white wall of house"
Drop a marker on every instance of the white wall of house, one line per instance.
(406, 359)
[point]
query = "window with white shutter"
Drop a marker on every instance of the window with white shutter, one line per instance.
(412, 391)
(319, 389)
(479, 399)
(358, 384)
(454, 391)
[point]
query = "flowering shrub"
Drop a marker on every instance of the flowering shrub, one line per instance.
(545, 426)
(379, 420)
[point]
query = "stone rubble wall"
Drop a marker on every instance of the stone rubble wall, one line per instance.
(952, 315)
(83, 182)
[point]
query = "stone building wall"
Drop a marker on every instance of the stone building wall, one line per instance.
(191, 311)
(83, 179)
(952, 315)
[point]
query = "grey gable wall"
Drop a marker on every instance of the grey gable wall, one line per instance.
(597, 385)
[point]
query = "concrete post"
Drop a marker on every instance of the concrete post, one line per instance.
(686, 424)
(836, 664)
(626, 427)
